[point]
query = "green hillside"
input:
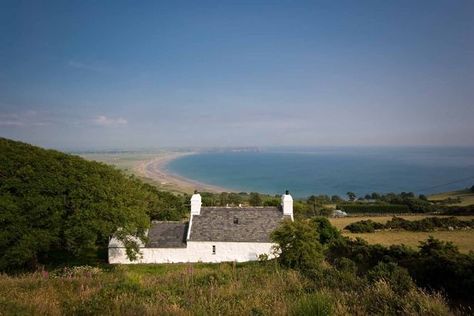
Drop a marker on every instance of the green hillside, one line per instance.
(61, 207)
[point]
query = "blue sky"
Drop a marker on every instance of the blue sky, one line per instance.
(127, 74)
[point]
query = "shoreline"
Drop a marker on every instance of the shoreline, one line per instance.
(155, 169)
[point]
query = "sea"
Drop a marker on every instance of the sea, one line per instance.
(332, 170)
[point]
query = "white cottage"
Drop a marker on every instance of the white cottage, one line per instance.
(213, 234)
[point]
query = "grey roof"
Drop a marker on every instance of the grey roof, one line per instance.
(167, 235)
(217, 224)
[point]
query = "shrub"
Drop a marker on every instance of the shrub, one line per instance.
(366, 226)
(298, 245)
(398, 277)
(326, 231)
(437, 265)
(425, 224)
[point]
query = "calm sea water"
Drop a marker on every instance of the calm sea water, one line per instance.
(333, 170)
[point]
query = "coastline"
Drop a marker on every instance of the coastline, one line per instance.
(155, 169)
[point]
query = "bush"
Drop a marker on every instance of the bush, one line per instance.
(298, 245)
(437, 265)
(366, 226)
(398, 277)
(326, 231)
(425, 224)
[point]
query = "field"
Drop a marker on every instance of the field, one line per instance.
(466, 197)
(125, 161)
(463, 239)
(130, 162)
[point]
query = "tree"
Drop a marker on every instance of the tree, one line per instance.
(375, 196)
(351, 196)
(51, 202)
(235, 198)
(255, 199)
(298, 245)
(223, 199)
(472, 189)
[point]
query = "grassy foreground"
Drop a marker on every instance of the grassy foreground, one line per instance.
(259, 288)
(464, 239)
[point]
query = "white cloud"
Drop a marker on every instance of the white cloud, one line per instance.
(103, 120)
(22, 119)
(83, 66)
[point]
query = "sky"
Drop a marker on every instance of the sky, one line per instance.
(148, 74)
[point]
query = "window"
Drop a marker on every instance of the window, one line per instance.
(213, 249)
(236, 220)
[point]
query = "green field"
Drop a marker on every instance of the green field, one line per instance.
(125, 161)
(464, 239)
(466, 197)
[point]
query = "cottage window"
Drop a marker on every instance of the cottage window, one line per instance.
(236, 220)
(213, 249)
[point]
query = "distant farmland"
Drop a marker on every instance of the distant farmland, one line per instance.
(464, 239)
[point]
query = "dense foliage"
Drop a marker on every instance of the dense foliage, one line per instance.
(404, 202)
(436, 265)
(55, 205)
(165, 206)
(298, 245)
(364, 226)
(422, 225)
(458, 210)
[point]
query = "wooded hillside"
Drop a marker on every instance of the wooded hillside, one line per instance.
(55, 205)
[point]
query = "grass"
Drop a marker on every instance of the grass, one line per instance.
(466, 197)
(464, 239)
(128, 161)
(125, 161)
(258, 288)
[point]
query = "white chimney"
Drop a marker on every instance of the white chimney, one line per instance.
(196, 204)
(287, 204)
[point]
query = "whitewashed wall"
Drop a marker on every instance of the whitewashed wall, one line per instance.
(196, 251)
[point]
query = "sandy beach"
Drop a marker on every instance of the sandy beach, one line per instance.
(155, 169)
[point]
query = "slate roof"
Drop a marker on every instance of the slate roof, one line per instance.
(167, 235)
(235, 224)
